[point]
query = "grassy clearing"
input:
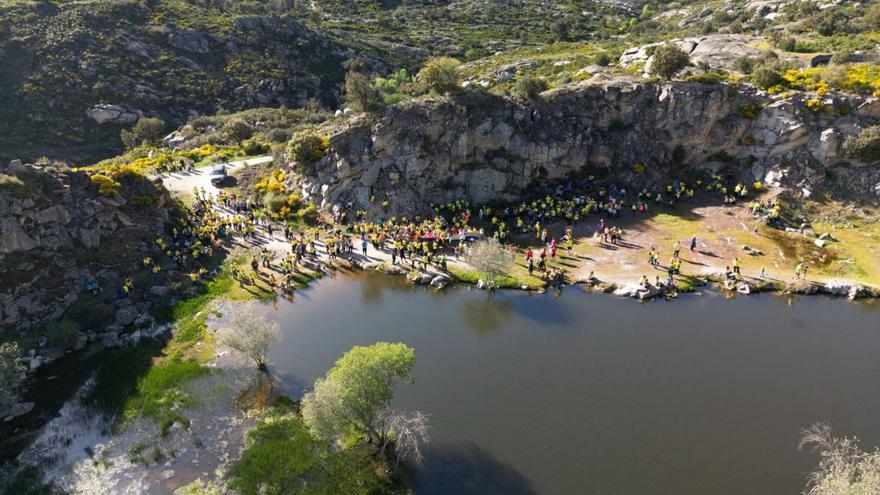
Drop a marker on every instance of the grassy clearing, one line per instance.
(518, 278)
(281, 456)
(149, 380)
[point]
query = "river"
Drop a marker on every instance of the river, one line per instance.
(569, 392)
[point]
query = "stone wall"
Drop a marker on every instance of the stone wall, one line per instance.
(488, 148)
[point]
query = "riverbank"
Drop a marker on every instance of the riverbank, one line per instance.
(836, 244)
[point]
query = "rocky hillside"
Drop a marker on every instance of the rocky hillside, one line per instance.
(75, 73)
(57, 235)
(489, 148)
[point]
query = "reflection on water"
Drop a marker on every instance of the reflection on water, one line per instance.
(576, 393)
(485, 315)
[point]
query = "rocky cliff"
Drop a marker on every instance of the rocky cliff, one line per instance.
(57, 234)
(487, 148)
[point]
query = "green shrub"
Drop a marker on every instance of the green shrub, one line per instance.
(530, 88)
(254, 147)
(707, 78)
(669, 60)
(237, 130)
(865, 145)
(602, 58)
(309, 214)
(767, 76)
(307, 147)
(274, 201)
(147, 130)
(90, 313)
(441, 75)
(359, 92)
(62, 334)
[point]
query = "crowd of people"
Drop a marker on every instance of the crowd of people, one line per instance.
(547, 219)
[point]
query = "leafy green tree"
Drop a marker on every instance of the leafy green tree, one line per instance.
(147, 130)
(355, 396)
(442, 74)
(307, 147)
(530, 88)
(237, 130)
(359, 91)
(669, 60)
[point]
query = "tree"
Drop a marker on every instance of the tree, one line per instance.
(411, 433)
(359, 91)
(10, 368)
(252, 336)
(844, 468)
(767, 76)
(490, 259)
(669, 60)
(530, 88)
(307, 147)
(441, 75)
(355, 396)
(147, 130)
(237, 130)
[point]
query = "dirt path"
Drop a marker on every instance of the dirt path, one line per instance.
(722, 235)
(182, 185)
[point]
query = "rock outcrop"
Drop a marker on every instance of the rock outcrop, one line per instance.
(57, 234)
(487, 148)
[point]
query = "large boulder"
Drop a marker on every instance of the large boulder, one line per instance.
(125, 315)
(637, 291)
(114, 114)
(189, 40)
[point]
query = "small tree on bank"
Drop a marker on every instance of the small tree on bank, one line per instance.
(530, 88)
(147, 130)
(251, 336)
(490, 259)
(844, 468)
(360, 92)
(307, 147)
(442, 75)
(355, 396)
(669, 60)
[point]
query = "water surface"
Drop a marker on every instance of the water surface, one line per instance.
(581, 393)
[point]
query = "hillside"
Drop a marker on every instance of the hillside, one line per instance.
(75, 73)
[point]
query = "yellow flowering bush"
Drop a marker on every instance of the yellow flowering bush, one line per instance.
(859, 78)
(272, 183)
(815, 105)
(106, 185)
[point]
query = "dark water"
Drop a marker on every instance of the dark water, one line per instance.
(595, 394)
